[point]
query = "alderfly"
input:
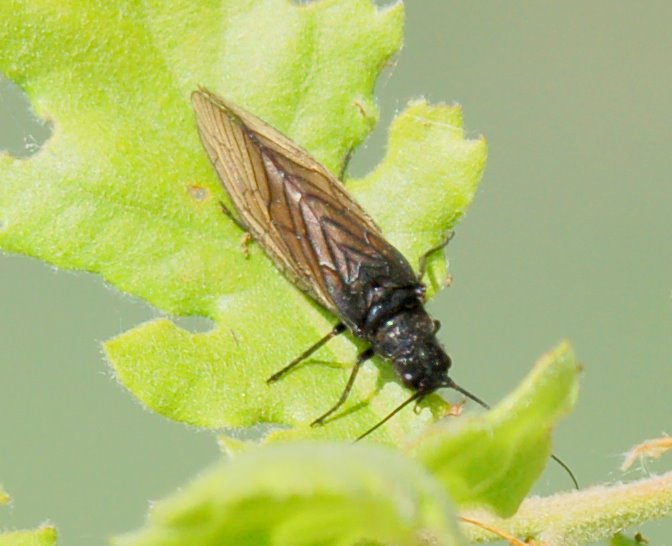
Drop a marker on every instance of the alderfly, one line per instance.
(327, 245)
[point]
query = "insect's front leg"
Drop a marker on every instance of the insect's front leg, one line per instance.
(363, 357)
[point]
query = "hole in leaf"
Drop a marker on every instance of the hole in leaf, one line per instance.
(195, 325)
(22, 133)
(254, 433)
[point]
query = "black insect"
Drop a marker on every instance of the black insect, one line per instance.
(327, 245)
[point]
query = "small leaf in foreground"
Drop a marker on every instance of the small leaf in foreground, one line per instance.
(304, 494)
(493, 459)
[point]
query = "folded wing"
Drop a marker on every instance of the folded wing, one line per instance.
(316, 234)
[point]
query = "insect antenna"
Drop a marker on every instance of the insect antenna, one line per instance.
(452, 385)
(566, 468)
(416, 397)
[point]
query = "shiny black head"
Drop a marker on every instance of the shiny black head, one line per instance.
(425, 368)
(408, 340)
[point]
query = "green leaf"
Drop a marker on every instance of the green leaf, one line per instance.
(124, 189)
(305, 494)
(425, 183)
(43, 536)
(493, 459)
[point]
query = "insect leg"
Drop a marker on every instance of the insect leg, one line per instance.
(235, 220)
(346, 162)
(338, 329)
(422, 265)
(247, 236)
(363, 357)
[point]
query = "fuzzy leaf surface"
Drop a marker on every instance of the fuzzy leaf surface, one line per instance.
(309, 493)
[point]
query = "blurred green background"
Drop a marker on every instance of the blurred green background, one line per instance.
(569, 237)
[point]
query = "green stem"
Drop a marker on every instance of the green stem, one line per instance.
(581, 517)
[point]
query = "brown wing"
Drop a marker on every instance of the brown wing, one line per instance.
(299, 213)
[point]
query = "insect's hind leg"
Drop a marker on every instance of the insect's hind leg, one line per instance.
(363, 357)
(338, 329)
(346, 163)
(231, 217)
(247, 236)
(422, 264)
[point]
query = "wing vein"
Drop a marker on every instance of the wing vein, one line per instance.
(299, 213)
